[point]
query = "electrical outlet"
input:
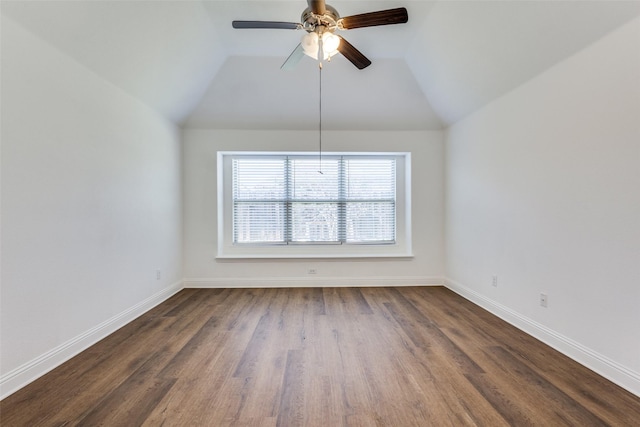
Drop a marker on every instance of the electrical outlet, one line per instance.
(495, 281)
(312, 271)
(543, 300)
(158, 274)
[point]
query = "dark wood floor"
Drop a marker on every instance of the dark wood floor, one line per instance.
(320, 357)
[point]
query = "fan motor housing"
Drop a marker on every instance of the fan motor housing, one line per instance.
(311, 20)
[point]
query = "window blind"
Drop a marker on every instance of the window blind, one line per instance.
(286, 200)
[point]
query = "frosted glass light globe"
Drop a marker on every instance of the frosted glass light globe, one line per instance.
(330, 43)
(311, 46)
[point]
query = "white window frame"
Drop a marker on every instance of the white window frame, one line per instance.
(228, 250)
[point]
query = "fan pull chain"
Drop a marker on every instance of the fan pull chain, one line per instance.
(320, 120)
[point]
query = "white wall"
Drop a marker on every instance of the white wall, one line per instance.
(543, 190)
(91, 207)
(200, 211)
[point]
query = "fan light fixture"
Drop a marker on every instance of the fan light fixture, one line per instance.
(320, 20)
(311, 45)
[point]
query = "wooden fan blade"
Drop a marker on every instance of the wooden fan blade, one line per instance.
(317, 6)
(293, 59)
(266, 24)
(372, 19)
(353, 54)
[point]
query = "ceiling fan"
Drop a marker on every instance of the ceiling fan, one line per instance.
(320, 21)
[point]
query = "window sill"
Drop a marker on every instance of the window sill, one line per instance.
(249, 257)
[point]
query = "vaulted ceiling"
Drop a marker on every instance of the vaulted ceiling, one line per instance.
(185, 60)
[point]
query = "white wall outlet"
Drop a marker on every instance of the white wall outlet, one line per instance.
(312, 271)
(543, 299)
(495, 281)
(158, 274)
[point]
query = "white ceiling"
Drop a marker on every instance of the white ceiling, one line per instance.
(183, 58)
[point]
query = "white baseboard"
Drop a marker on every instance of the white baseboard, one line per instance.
(14, 380)
(306, 282)
(613, 371)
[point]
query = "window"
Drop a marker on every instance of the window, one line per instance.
(286, 200)
(294, 205)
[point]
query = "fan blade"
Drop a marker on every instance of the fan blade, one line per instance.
(317, 6)
(372, 19)
(353, 54)
(266, 24)
(294, 58)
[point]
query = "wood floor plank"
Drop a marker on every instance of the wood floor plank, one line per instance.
(291, 410)
(132, 401)
(160, 344)
(537, 387)
(320, 357)
(474, 330)
(205, 381)
(427, 335)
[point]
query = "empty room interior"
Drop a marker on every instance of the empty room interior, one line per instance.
(365, 213)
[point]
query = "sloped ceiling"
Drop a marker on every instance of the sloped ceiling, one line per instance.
(184, 60)
(468, 53)
(163, 52)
